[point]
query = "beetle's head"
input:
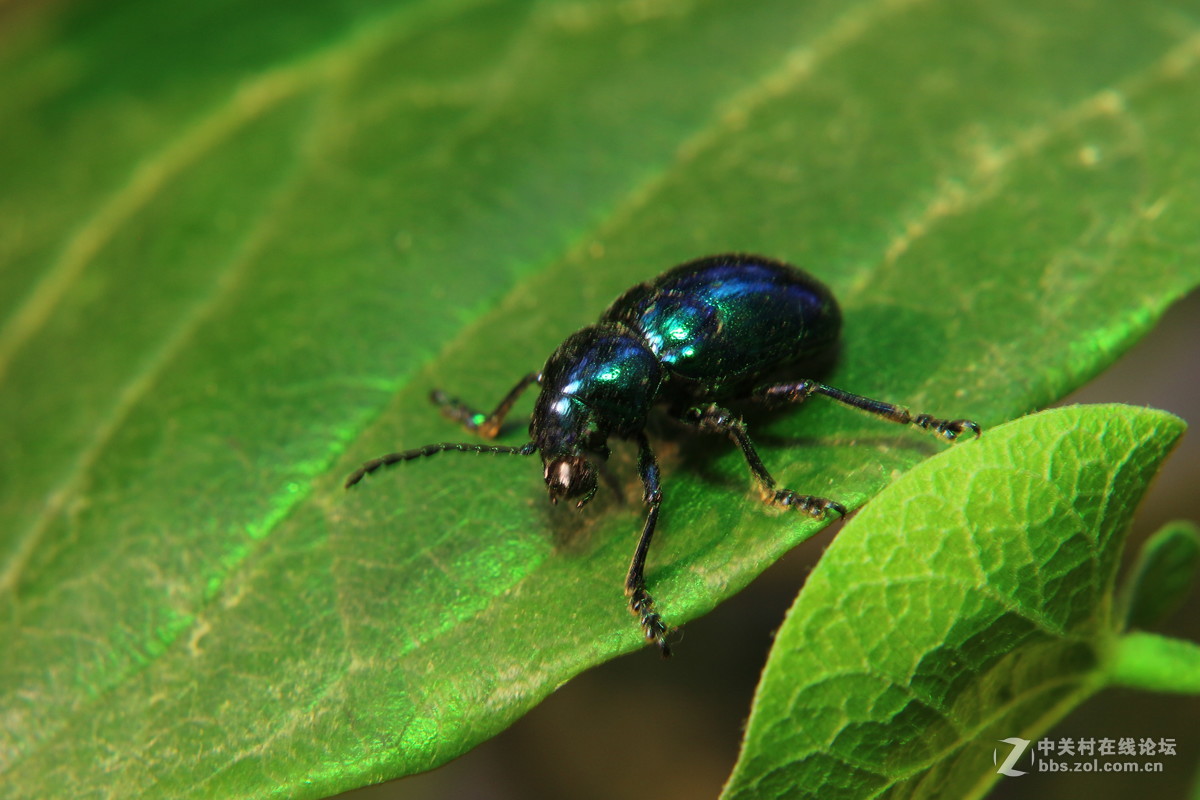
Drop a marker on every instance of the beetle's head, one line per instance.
(570, 477)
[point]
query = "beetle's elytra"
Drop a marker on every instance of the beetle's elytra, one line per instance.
(705, 332)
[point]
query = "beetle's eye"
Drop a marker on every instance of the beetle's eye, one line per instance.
(570, 477)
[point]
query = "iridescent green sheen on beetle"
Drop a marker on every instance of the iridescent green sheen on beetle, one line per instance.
(707, 331)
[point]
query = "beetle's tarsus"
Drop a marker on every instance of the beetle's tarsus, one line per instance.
(815, 507)
(642, 606)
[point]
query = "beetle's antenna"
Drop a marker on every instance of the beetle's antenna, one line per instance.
(430, 449)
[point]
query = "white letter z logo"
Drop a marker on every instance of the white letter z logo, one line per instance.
(1018, 749)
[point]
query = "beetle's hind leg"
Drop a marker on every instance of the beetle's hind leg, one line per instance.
(714, 419)
(486, 425)
(948, 429)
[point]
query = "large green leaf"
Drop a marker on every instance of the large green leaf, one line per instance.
(971, 602)
(243, 241)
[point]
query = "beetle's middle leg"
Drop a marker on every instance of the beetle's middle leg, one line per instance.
(714, 419)
(486, 425)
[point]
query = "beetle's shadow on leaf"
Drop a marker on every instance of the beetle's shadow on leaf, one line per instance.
(874, 336)
(619, 495)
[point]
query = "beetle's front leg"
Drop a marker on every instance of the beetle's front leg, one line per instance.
(948, 429)
(714, 419)
(640, 601)
(486, 425)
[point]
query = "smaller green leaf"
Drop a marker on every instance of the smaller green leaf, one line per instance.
(970, 602)
(1163, 575)
(1158, 663)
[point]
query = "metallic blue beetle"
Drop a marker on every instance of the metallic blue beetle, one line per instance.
(708, 331)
